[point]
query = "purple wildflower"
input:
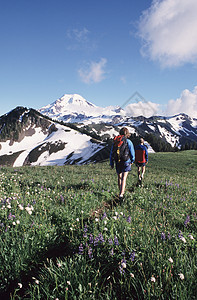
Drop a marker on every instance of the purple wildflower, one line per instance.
(62, 199)
(81, 249)
(101, 238)
(104, 216)
(110, 241)
(122, 266)
(112, 252)
(96, 241)
(116, 241)
(163, 236)
(91, 239)
(180, 234)
(187, 221)
(132, 256)
(129, 219)
(90, 252)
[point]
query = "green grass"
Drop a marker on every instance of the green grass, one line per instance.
(63, 236)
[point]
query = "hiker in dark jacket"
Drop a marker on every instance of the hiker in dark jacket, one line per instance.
(141, 159)
(123, 164)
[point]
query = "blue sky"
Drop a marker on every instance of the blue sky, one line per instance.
(103, 50)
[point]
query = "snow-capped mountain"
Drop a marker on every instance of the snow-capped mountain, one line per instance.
(75, 109)
(72, 130)
(34, 140)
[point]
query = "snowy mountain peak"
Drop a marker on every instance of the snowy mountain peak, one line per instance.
(74, 108)
(73, 99)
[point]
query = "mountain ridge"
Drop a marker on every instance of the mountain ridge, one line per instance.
(29, 137)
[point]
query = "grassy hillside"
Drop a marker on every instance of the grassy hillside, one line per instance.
(64, 235)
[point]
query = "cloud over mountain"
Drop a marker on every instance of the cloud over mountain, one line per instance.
(187, 103)
(94, 72)
(168, 32)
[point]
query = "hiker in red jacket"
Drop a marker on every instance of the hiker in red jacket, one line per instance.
(141, 159)
(123, 155)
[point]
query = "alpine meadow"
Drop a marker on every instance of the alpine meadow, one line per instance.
(64, 235)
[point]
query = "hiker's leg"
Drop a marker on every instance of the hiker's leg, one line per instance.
(143, 171)
(119, 181)
(123, 183)
(138, 172)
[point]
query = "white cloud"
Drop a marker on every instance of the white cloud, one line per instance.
(168, 31)
(80, 35)
(94, 72)
(146, 109)
(187, 103)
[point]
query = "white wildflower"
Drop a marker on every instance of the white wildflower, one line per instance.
(181, 276)
(20, 207)
(17, 222)
(170, 260)
(132, 275)
(191, 237)
(183, 239)
(153, 279)
(20, 285)
(124, 265)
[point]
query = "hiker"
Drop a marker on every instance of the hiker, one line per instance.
(141, 159)
(123, 154)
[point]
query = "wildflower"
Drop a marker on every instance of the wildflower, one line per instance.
(153, 279)
(29, 210)
(81, 249)
(17, 222)
(85, 231)
(170, 260)
(191, 237)
(101, 238)
(91, 239)
(114, 217)
(132, 275)
(129, 219)
(59, 265)
(163, 236)
(112, 252)
(110, 241)
(90, 252)
(36, 280)
(132, 256)
(14, 223)
(183, 239)
(20, 285)
(116, 241)
(20, 207)
(104, 216)
(77, 219)
(96, 219)
(96, 240)
(68, 282)
(181, 276)
(187, 221)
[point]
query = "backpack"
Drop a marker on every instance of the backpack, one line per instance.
(120, 149)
